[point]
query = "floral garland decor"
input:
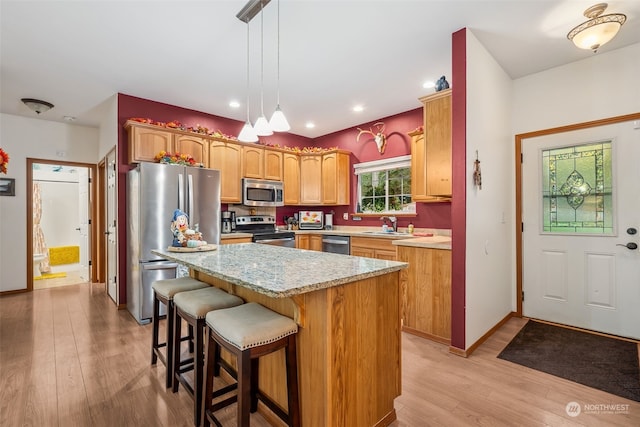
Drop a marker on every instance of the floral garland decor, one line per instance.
(4, 161)
(175, 159)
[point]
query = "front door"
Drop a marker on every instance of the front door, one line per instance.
(581, 223)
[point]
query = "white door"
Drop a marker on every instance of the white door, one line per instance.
(111, 249)
(83, 216)
(571, 273)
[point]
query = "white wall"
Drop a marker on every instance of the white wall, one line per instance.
(489, 243)
(24, 138)
(600, 86)
(108, 133)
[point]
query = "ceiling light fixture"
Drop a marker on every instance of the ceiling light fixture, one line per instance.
(278, 121)
(262, 125)
(598, 30)
(37, 105)
(248, 134)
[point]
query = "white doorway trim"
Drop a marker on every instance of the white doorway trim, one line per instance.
(29, 200)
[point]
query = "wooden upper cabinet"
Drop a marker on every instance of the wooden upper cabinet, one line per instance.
(273, 165)
(310, 179)
(227, 157)
(431, 154)
(335, 178)
(145, 143)
(291, 179)
(253, 162)
(195, 146)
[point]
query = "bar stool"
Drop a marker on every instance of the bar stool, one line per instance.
(193, 306)
(250, 331)
(163, 292)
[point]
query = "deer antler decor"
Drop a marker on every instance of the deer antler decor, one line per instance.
(379, 137)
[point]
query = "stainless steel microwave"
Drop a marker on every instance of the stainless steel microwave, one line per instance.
(261, 192)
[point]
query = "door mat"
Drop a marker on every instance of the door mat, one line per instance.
(61, 255)
(50, 276)
(604, 363)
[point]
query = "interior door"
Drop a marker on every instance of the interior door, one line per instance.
(111, 249)
(581, 264)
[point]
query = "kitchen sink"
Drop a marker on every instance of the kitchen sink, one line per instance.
(386, 233)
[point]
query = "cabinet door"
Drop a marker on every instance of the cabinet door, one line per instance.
(145, 143)
(273, 165)
(389, 255)
(362, 251)
(302, 241)
(310, 179)
(195, 146)
(335, 179)
(253, 162)
(227, 157)
(315, 242)
(437, 116)
(291, 179)
(418, 167)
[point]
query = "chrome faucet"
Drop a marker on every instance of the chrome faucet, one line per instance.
(393, 220)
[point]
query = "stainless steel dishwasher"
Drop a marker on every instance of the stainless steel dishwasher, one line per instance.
(336, 244)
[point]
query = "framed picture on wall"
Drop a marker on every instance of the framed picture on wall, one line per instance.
(7, 187)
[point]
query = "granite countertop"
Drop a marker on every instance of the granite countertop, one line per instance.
(431, 242)
(281, 272)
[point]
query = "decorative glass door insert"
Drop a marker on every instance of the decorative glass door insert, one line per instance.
(577, 189)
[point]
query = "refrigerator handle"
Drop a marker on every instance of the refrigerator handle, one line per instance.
(190, 195)
(181, 192)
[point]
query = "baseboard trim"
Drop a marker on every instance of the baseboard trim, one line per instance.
(468, 351)
(14, 291)
(387, 419)
(426, 335)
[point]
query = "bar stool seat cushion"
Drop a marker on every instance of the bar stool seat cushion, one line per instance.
(250, 325)
(167, 288)
(201, 301)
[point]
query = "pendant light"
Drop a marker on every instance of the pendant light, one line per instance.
(278, 121)
(248, 134)
(262, 126)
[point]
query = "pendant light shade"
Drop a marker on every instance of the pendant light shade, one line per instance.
(278, 121)
(248, 133)
(598, 30)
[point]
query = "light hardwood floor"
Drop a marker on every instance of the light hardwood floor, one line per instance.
(69, 358)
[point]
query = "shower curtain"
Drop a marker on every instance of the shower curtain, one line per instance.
(39, 244)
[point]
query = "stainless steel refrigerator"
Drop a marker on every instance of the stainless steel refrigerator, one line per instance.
(154, 191)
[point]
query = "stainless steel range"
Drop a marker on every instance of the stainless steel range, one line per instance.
(264, 230)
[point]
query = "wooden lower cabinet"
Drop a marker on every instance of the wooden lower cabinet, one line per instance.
(302, 241)
(371, 247)
(426, 292)
(232, 240)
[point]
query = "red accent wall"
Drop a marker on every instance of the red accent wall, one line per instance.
(458, 205)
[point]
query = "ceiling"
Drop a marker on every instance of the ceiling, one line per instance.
(333, 54)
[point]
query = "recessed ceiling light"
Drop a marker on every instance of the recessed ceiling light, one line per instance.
(429, 85)
(358, 108)
(310, 125)
(234, 104)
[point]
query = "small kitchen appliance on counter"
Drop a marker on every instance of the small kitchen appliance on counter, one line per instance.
(226, 222)
(328, 221)
(310, 220)
(263, 228)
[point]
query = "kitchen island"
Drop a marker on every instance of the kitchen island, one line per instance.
(348, 310)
